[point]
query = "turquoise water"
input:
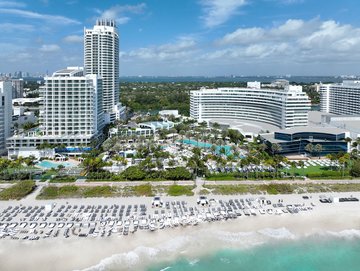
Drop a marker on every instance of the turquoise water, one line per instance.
(49, 164)
(207, 145)
(317, 254)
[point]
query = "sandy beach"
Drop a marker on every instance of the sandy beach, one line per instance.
(136, 251)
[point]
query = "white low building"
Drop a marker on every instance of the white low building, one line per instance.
(20, 117)
(168, 113)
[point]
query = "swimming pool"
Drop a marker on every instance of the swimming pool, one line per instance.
(207, 145)
(51, 164)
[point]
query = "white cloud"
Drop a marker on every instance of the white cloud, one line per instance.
(56, 19)
(118, 12)
(291, 28)
(179, 49)
(295, 40)
(291, 2)
(11, 27)
(49, 48)
(243, 36)
(217, 12)
(12, 4)
(74, 39)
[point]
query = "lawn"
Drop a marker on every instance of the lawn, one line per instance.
(317, 172)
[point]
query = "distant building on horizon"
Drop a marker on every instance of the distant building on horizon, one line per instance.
(101, 57)
(17, 88)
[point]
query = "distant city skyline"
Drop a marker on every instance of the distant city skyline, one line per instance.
(184, 38)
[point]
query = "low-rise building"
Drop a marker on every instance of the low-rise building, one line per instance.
(146, 129)
(295, 140)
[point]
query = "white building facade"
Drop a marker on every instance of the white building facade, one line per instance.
(5, 113)
(283, 108)
(101, 57)
(72, 114)
(72, 103)
(340, 99)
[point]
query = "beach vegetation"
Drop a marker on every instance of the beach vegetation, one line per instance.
(63, 179)
(18, 190)
(139, 190)
(180, 190)
(355, 169)
(98, 191)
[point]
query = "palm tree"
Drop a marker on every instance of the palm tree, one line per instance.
(354, 154)
(216, 125)
(293, 166)
(357, 142)
(189, 134)
(275, 148)
(262, 147)
(301, 164)
(318, 149)
(309, 148)
(213, 149)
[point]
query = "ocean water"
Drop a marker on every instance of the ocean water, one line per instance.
(297, 79)
(309, 254)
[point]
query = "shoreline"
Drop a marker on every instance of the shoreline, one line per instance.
(139, 250)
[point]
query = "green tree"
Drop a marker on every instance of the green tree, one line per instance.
(355, 169)
(309, 148)
(275, 148)
(134, 173)
(318, 149)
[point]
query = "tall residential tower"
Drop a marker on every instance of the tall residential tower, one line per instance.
(101, 57)
(5, 113)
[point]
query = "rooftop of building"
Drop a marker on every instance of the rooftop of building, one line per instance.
(312, 129)
(21, 101)
(304, 129)
(346, 83)
(254, 86)
(69, 72)
(315, 117)
(106, 22)
(246, 126)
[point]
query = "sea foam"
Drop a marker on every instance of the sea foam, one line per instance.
(205, 242)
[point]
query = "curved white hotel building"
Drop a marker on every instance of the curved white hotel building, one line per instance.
(283, 108)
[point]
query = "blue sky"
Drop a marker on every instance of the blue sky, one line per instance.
(188, 37)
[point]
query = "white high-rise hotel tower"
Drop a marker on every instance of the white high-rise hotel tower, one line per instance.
(101, 57)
